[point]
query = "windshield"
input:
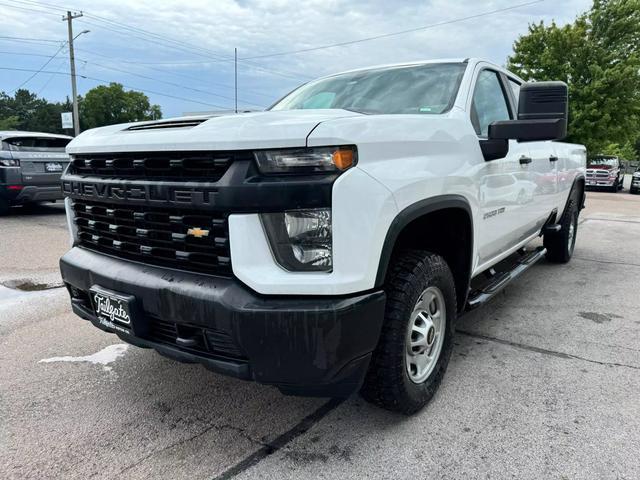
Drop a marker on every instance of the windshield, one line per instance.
(612, 162)
(422, 89)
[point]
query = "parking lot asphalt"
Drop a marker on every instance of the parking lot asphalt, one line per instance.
(544, 382)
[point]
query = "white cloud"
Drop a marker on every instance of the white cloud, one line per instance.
(258, 27)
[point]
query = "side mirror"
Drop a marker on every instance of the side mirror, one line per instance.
(542, 114)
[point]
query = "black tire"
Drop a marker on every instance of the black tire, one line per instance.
(4, 207)
(615, 187)
(388, 382)
(633, 191)
(560, 245)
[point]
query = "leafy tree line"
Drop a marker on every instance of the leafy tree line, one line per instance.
(102, 105)
(598, 56)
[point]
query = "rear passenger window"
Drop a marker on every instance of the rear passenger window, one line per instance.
(489, 103)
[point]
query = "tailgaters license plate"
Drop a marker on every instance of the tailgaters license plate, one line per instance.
(113, 309)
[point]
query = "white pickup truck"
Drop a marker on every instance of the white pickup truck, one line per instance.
(326, 245)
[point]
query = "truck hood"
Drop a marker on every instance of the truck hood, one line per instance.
(277, 129)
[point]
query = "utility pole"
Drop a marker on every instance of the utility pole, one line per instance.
(235, 72)
(74, 91)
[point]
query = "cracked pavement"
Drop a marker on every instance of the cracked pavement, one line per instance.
(543, 383)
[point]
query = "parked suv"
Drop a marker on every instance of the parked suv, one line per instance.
(605, 171)
(31, 164)
(329, 244)
(635, 181)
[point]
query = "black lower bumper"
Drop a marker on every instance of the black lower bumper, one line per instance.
(31, 193)
(303, 345)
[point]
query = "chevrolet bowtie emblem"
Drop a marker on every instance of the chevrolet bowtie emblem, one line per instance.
(198, 232)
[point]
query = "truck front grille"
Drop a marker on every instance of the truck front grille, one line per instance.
(209, 166)
(168, 237)
(597, 174)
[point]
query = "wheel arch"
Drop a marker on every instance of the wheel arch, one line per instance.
(577, 192)
(452, 216)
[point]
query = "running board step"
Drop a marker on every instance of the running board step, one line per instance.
(501, 280)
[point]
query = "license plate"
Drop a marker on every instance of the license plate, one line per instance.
(53, 167)
(112, 307)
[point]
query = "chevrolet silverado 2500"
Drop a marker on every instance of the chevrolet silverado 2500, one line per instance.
(30, 167)
(326, 245)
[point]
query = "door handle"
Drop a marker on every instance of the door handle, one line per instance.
(524, 160)
(553, 158)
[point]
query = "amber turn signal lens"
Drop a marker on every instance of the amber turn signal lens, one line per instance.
(343, 158)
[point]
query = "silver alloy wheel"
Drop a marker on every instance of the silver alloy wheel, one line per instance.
(425, 334)
(572, 235)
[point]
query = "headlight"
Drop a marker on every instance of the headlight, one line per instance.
(301, 239)
(306, 160)
(9, 162)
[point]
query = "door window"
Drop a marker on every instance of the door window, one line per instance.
(489, 103)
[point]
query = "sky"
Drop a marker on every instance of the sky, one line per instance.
(181, 52)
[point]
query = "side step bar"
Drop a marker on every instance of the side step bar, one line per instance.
(501, 280)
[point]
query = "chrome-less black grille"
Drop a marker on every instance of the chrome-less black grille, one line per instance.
(204, 166)
(184, 239)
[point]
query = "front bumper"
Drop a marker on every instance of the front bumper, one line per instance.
(593, 182)
(304, 345)
(31, 193)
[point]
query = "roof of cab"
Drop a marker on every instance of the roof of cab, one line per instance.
(419, 62)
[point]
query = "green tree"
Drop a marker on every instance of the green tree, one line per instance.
(108, 105)
(9, 123)
(25, 111)
(598, 56)
(626, 151)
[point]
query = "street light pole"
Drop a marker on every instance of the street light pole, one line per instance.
(74, 91)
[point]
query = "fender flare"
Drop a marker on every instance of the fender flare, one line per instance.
(412, 212)
(572, 193)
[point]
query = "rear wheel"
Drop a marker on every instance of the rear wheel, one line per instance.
(560, 244)
(417, 335)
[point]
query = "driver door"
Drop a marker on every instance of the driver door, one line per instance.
(504, 184)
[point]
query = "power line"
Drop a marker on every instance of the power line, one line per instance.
(167, 83)
(401, 32)
(27, 39)
(101, 80)
(214, 58)
(21, 54)
(46, 84)
(169, 42)
(41, 68)
(26, 9)
(190, 77)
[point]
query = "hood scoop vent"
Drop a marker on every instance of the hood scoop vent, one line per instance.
(189, 123)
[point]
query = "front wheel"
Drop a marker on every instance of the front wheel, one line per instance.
(560, 244)
(416, 341)
(615, 187)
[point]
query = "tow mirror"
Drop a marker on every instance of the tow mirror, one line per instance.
(542, 114)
